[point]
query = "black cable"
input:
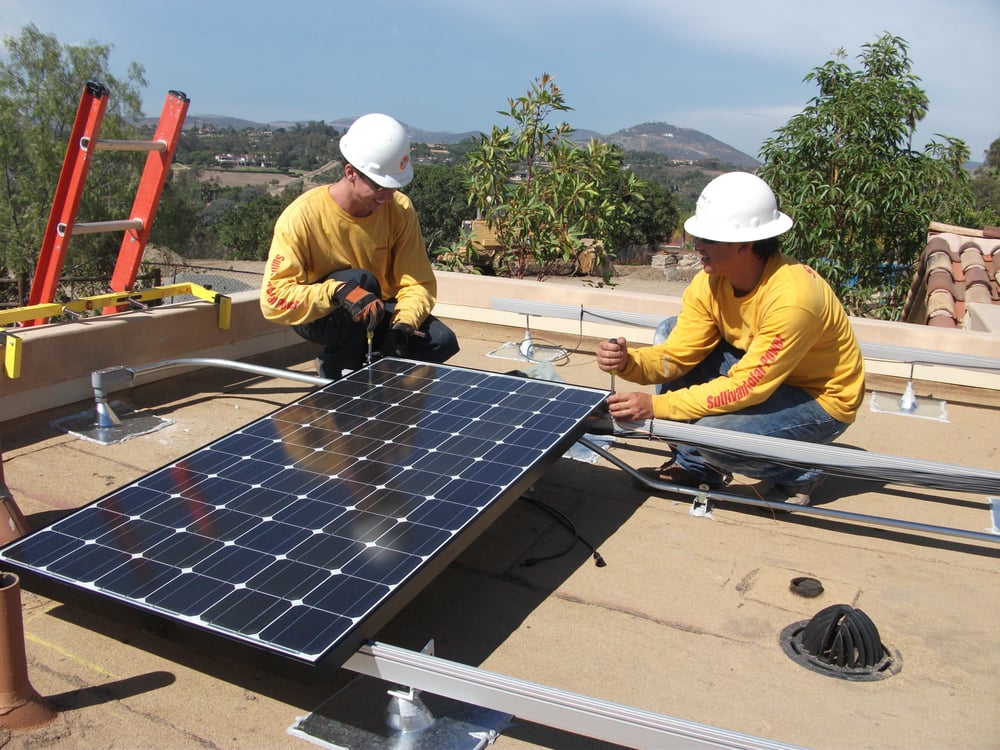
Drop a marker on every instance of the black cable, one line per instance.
(568, 523)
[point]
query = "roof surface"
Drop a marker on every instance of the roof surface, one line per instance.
(686, 618)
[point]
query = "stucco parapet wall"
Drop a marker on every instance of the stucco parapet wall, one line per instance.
(57, 359)
(468, 297)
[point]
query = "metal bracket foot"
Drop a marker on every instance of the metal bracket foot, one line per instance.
(350, 719)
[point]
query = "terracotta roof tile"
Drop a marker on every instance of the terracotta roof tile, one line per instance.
(957, 266)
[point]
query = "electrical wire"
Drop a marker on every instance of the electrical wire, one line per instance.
(570, 526)
(544, 344)
(580, 336)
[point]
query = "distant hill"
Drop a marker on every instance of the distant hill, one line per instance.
(681, 144)
(193, 122)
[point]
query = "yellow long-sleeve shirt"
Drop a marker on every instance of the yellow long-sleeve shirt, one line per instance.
(315, 237)
(791, 326)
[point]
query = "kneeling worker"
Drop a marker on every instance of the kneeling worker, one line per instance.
(762, 345)
(347, 262)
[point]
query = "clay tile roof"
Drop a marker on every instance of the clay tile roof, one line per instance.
(958, 266)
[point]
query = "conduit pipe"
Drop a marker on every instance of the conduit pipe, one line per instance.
(13, 524)
(21, 707)
(103, 381)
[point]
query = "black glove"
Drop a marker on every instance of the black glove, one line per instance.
(397, 340)
(360, 304)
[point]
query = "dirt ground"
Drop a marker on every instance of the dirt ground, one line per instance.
(275, 182)
(647, 279)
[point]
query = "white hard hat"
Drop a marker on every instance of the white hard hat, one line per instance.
(737, 207)
(378, 146)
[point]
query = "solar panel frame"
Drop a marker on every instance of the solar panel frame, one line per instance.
(292, 540)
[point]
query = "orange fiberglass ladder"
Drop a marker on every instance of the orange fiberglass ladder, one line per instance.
(62, 224)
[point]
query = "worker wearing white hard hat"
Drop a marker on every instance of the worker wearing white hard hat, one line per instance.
(762, 345)
(348, 268)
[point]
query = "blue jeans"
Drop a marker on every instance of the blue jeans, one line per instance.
(345, 342)
(789, 413)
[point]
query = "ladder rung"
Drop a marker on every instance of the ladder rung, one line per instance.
(160, 146)
(95, 227)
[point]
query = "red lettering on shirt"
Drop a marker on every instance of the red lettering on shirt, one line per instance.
(744, 389)
(276, 302)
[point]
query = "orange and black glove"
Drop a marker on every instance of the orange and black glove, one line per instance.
(360, 304)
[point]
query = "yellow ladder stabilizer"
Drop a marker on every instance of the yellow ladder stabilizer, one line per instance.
(79, 307)
(11, 355)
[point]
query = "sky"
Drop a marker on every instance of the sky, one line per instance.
(729, 68)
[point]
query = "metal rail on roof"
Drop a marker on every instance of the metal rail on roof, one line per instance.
(868, 466)
(573, 312)
(887, 352)
(548, 706)
(833, 459)
(914, 356)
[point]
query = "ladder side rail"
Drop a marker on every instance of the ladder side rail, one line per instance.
(151, 184)
(69, 189)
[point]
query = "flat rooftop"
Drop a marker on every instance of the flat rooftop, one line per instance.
(685, 619)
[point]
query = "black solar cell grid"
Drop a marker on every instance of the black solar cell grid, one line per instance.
(291, 533)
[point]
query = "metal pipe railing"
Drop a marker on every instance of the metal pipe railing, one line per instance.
(711, 494)
(104, 380)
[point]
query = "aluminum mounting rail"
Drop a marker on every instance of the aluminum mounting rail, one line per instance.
(571, 312)
(548, 706)
(834, 459)
(979, 536)
(875, 351)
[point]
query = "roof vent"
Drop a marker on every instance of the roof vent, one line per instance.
(843, 642)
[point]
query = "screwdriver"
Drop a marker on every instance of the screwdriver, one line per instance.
(371, 338)
(613, 341)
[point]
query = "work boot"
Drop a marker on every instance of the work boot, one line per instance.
(794, 494)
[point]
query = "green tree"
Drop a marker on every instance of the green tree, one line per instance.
(440, 196)
(245, 231)
(464, 147)
(541, 193)
(861, 196)
(305, 147)
(177, 213)
(993, 156)
(986, 186)
(654, 219)
(40, 86)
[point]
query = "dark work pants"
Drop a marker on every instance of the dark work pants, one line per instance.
(345, 342)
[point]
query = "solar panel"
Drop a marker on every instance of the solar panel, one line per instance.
(294, 538)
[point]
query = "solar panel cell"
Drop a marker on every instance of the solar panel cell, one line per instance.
(136, 578)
